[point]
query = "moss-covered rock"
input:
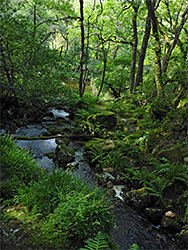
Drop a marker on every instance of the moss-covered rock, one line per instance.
(64, 155)
(106, 119)
(105, 145)
(171, 223)
(154, 214)
(139, 198)
(154, 139)
(175, 153)
(184, 235)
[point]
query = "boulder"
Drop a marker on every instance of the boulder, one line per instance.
(106, 119)
(154, 214)
(139, 198)
(171, 222)
(175, 153)
(105, 145)
(184, 235)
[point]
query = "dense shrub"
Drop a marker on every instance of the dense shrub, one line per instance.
(64, 210)
(17, 167)
(79, 215)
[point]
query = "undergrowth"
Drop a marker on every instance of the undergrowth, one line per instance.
(57, 209)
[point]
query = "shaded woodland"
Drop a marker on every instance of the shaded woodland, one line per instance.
(120, 71)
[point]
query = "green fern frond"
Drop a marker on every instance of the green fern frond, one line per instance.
(98, 243)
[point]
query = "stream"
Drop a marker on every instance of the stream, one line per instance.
(130, 226)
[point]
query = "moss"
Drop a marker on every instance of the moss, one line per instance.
(139, 198)
(106, 119)
(175, 153)
(154, 139)
(171, 223)
(64, 155)
(105, 145)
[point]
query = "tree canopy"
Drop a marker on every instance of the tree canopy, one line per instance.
(115, 46)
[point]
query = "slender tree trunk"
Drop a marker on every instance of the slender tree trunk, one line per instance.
(157, 47)
(82, 47)
(115, 52)
(177, 34)
(181, 92)
(103, 73)
(139, 75)
(34, 19)
(86, 58)
(135, 42)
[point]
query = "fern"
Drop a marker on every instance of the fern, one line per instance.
(98, 243)
(134, 247)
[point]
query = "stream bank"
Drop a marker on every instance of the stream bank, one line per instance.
(131, 226)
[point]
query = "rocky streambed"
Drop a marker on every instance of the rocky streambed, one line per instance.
(131, 226)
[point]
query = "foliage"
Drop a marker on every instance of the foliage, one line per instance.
(134, 247)
(118, 157)
(63, 209)
(158, 175)
(99, 242)
(17, 167)
(78, 216)
(30, 70)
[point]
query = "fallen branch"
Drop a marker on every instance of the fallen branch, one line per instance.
(43, 137)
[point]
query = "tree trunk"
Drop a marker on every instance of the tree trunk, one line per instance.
(139, 75)
(103, 73)
(177, 34)
(157, 47)
(82, 47)
(181, 92)
(135, 42)
(34, 19)
(86, 59)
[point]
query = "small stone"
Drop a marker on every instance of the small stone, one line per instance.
(72, 165)
(170, 214)
(109, 184)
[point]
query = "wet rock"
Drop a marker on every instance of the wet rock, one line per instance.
(154, 214)
(72, 165)
(59, 113)
(64, 155)
(139, 198)
(62, 141)
(184, 235)
(53, 130)
(171, 223)
(50, 155)
(49, 114)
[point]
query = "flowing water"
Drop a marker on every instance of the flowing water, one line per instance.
(130, 227)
